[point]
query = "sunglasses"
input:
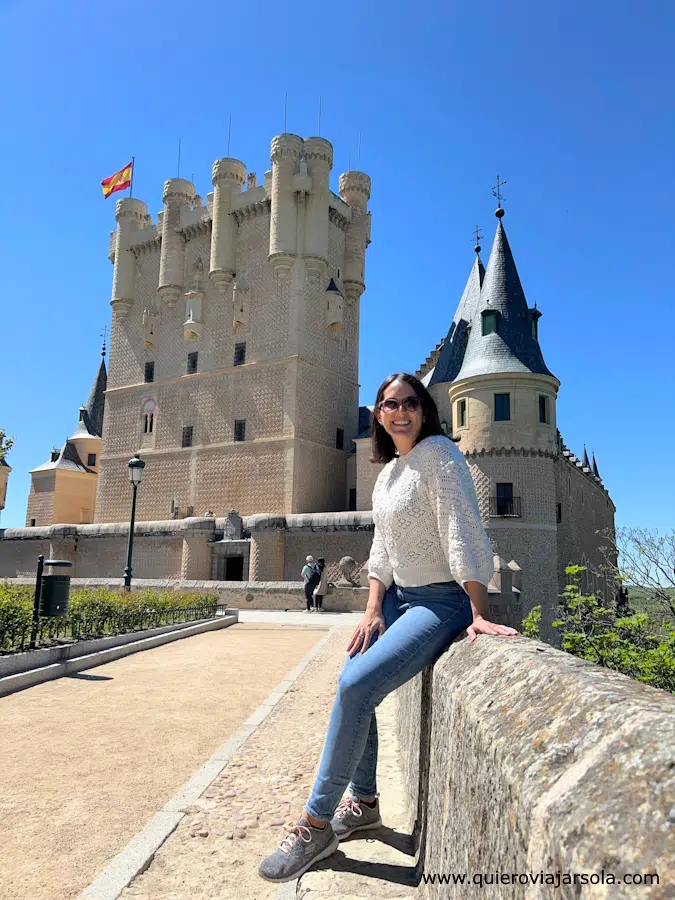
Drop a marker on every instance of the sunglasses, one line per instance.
(410, 404)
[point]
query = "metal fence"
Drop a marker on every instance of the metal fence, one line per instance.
(54, 630)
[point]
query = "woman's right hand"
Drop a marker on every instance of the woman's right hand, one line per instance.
(371, 623)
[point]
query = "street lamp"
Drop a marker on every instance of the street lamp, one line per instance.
(136, 466)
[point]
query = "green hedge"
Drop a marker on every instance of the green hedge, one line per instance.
(16, 602)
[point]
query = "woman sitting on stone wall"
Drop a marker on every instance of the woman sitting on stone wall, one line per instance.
(428, 570)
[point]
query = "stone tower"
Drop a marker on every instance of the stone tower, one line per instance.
(234, 344)
(540, 504)
(503, 400)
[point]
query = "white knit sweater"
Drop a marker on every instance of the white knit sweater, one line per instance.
(427, 524)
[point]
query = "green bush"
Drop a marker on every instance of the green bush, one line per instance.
(16, 602)
(634, 645)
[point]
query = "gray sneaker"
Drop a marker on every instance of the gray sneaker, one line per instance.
(351, 816)
(298, 851)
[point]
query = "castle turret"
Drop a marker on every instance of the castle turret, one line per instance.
(177, 193)
(285, 155)
(504, 395)
(228, 176)
(130, 215)
(318, 154)
(355, 191)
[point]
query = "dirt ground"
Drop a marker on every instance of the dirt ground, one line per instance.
(215, 851)
(86, 760)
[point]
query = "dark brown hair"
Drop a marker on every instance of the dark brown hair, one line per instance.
(383, 446)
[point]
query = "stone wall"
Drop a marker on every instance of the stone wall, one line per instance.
(522, 759)
(585, 509)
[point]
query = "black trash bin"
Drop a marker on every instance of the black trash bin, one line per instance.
(55, 591)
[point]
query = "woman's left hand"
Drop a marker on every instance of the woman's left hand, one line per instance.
(482, 626)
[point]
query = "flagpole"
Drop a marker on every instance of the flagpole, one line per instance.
(133, 166)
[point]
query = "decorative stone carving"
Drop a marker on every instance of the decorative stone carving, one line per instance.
(349, 570)
(151, 319)
(241, 306)
(193, 327)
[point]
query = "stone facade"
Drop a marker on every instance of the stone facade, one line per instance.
(241, 310)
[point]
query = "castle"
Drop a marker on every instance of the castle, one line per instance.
(234, 372)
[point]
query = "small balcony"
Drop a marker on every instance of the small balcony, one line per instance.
(505, 507)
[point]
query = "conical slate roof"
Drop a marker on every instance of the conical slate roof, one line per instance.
(513, 347)
(585, 459)
(93, 409)
(452, 352)
(595, 467)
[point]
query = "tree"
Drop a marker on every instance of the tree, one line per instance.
(6, 444)
(646, 562)
(597, 631)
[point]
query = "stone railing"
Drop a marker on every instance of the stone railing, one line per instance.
(521, 759)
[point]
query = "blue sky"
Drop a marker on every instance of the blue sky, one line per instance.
(570, 102)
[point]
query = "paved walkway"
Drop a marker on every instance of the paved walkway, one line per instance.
(215, 851)
(298, 617)
(88, 759)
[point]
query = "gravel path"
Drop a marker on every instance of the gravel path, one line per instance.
(88, 759)
(215, 851)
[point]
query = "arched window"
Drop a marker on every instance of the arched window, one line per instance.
(148, 414)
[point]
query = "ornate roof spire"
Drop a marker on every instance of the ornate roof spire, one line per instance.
(452, 352)
(594, 466)
(585, 461)
(509, 343)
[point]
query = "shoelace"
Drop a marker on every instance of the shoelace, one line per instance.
(346, 806)
(295, 831)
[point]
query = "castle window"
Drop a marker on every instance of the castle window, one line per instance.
(240, 429)
(91, 459)
(339, 439)
(149, 371)
(186, 440)
(32, 523)
(544, 409)
(535, 328)
(558, 513)
(192, 361)
(352, 499)
(148, 422)
(240, 354)
(504, 503)
(502, 407)
(489, 321)
(461, 414)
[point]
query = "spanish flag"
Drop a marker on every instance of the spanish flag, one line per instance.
(120, 181)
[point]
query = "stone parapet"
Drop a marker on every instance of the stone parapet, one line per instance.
(514, 751)
(308, 522)
(190, 525)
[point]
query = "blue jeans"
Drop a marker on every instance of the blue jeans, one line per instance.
(420, 623)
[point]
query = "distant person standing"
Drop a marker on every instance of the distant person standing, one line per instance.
(321, 589)
(310, 575)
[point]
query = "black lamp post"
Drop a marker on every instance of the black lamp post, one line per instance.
(136, 466)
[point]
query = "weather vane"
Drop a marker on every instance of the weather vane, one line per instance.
(104, 335)
(477, 236)
(497, 192)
